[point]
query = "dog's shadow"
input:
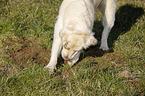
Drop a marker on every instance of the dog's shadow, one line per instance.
(126, 16)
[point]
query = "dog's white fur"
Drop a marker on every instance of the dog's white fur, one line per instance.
(73, 29)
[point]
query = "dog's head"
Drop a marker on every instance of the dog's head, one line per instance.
(74, 43)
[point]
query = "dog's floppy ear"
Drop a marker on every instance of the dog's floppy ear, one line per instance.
(91, 40)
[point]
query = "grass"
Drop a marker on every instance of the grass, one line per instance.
(26, 34)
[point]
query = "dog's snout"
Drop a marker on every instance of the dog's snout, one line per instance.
(64, 54)
(65, 57)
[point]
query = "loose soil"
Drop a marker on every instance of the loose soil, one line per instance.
(28, 53)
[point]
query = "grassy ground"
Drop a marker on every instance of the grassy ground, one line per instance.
(26, 34)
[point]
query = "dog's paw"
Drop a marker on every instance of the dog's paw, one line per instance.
(50, 69)
(104, 48)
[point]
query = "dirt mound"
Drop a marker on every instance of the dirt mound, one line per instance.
(27, 53)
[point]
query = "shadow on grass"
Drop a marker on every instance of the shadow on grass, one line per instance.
(126, 17)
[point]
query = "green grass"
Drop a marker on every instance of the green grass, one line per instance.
(26, 34)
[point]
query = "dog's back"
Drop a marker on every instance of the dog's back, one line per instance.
(72, 12)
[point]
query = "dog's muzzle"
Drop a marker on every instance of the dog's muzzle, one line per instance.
(70, 54)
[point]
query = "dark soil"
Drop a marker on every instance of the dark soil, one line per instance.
(28, 53)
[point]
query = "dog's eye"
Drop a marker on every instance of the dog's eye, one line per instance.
(66, 46)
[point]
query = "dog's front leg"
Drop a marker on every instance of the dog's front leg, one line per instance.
(56, 47)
